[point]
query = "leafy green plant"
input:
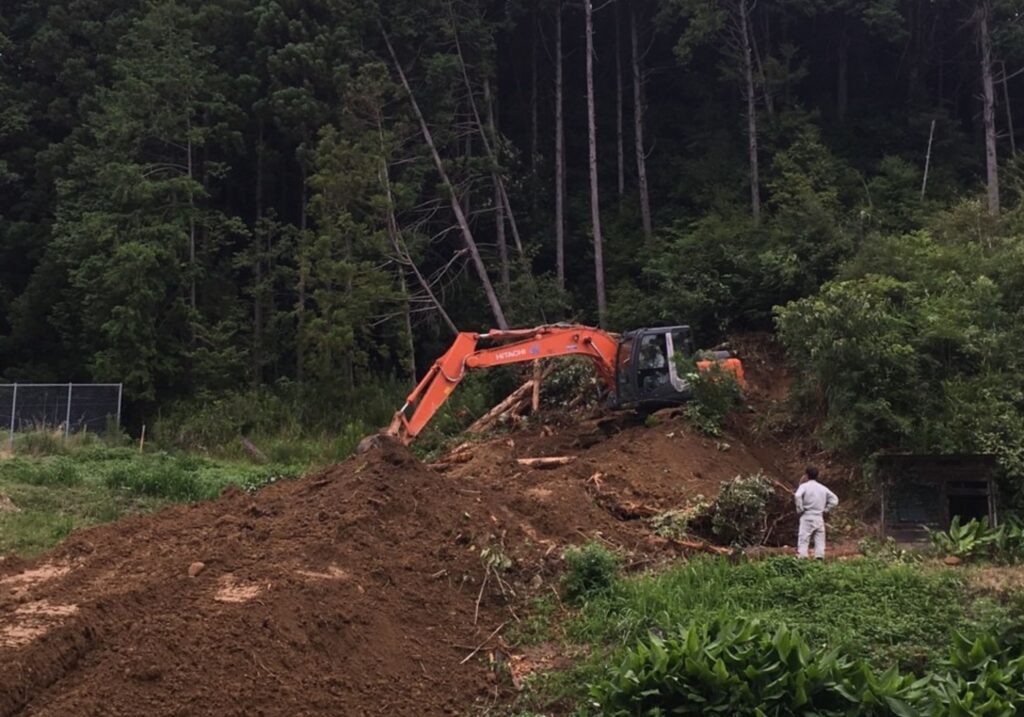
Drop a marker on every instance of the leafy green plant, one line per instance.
(887, 550)
(742, 667)
(591, 570)
(715, 394)
(678, 523)
(740, 513)
(977, 539)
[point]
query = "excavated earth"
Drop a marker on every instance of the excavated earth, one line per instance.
(355, 591)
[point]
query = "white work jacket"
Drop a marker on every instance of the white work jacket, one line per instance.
(812, 499)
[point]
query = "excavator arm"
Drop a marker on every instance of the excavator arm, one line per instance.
(514, 346)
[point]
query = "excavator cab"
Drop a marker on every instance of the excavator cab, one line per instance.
(649, 366)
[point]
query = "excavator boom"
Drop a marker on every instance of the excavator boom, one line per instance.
(514, 346)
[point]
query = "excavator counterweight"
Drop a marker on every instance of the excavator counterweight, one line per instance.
(637, 368)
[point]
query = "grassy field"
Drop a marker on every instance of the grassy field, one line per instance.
(52, 487)
(886, 613)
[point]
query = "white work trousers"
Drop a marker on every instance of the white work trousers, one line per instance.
(812, 525)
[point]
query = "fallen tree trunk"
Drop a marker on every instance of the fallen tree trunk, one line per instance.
(547, 462)
(485, 421)
(700, 545)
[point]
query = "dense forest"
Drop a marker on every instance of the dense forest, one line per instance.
(204, 197)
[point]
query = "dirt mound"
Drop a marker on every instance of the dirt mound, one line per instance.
(360, 590)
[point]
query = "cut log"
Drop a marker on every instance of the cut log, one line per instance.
(546, 462)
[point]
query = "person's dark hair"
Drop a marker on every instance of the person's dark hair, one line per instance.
(811, 472)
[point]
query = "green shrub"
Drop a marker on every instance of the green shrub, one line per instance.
(715, 394)
(161, 477)
(56, 470)
(740, 512)
(591, 570)
(39, 443)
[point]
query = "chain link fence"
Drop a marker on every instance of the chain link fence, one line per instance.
(66, 407)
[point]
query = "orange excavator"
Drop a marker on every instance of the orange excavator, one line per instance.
(638, 368)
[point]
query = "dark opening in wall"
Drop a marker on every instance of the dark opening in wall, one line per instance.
(925, 492)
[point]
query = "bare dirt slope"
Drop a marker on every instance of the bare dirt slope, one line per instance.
(350, 592)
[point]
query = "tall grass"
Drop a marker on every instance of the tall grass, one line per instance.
(885, 612)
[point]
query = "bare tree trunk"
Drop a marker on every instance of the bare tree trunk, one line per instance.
(499, 226)
(638, 126)
(842, 80)
(191, 222)
(748, 69)
(460, 217)
(559, 154)
(1009, 113)
(595, 200)
(499, 197)
(490, 146)
(534, 117)
(257, 299)
(620, 151)
(988, 89)
(300, 305)
(407, 316)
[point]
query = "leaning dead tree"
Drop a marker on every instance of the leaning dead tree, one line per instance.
(488, 136)
(460, 216)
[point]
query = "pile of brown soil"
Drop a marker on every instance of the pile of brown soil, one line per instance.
(356, 591)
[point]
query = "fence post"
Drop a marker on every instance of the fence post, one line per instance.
(14, 403)
(67, 419)
(120, 388)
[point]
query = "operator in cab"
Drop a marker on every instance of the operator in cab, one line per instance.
(813, 500)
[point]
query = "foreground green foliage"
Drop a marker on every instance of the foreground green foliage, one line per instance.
(742, 667)
(789, 637)
(883, 612)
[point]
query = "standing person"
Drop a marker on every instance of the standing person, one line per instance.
(813, 500)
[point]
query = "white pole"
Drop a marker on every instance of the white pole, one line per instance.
(120, 388)
(14, 403)
(67, 418)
